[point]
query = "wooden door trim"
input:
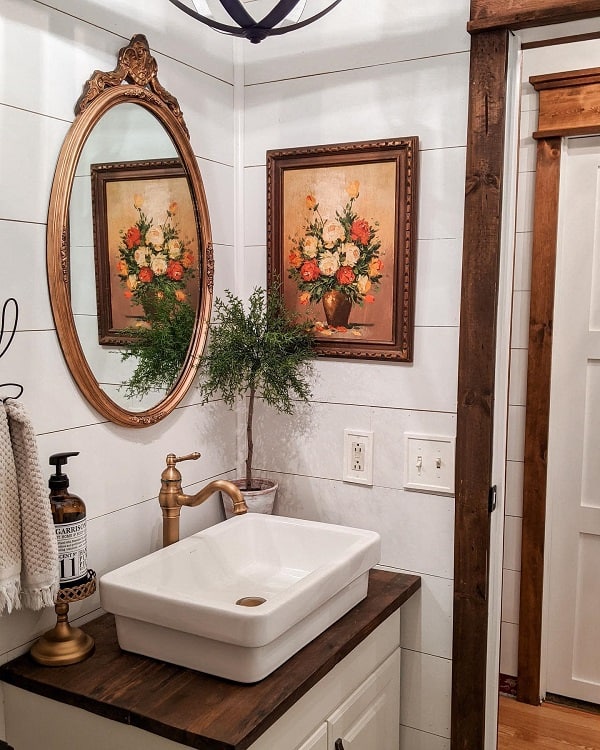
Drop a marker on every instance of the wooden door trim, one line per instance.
(520, 14)
(537, 417)
(569, 104)
(480, 259)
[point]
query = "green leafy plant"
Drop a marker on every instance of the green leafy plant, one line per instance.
(160, 348)
(262, 351)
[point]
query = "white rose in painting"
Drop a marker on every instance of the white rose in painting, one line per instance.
(132, 282)
(352, 254)
(311, 246)
(174, 247)
(155, 236)
(363, 284)
(333, 232)
(159, 264)
(141, 257)
(329, 263)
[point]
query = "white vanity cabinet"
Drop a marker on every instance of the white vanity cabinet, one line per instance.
(355, 706)
(340, 692)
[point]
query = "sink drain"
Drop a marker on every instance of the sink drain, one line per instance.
(250, 601)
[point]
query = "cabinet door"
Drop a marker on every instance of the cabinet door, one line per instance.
(370, 718)
(317, 741)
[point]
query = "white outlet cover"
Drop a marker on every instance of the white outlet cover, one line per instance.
(352, 437)
(429, 463)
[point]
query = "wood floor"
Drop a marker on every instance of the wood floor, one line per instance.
(546, 727)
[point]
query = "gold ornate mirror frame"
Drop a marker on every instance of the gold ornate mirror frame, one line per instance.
(134, 80)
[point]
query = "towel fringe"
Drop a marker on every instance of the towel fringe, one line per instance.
(10, 596)
(38, 598)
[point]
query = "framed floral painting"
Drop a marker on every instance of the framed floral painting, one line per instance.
(145, 245)
(341, 234)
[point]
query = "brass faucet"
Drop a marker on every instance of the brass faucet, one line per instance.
(171, 496)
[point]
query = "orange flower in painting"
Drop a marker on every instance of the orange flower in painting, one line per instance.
(180, 295)
(309, 271)
(127, 294)
(360, 231)
(146, 275)
(352, 188)
(188, 260)
(345, 275)
(122, 269)
(304, 298)
(173, 207)
(369, 299)
(175, 270)
(295, 258)
(133, 237)
(311, 202)
(375, 267)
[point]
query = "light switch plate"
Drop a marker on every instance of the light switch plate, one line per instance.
(429, 463)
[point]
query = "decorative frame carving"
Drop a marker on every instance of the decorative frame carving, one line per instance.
(365, 194)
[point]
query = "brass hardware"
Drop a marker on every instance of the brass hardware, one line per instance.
(64, 644)
(171, 496)
(251, 601)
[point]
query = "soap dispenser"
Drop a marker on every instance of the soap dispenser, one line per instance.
(68, 513)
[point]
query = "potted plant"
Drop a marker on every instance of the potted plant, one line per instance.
(260, 351)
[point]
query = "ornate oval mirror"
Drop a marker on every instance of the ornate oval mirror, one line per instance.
(129, 253)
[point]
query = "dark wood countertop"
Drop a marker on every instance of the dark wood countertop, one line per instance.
(193, 708)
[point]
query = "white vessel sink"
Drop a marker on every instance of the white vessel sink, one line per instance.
(179, 604)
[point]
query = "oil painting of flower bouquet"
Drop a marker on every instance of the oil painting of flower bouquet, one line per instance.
(341, 234)
(337, 261)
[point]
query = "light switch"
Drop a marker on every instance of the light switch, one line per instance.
(429, 463)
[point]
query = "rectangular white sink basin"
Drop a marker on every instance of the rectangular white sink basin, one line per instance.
(179, 604)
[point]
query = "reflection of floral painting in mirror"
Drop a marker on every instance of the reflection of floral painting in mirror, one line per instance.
(145, 243)
(339, 230)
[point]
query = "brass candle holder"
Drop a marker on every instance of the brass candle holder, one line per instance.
(64, 644)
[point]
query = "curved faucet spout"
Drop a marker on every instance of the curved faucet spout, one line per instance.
(171, 496)
(229, 488)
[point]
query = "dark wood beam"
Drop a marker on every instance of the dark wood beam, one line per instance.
(519, 14)
(477, 357)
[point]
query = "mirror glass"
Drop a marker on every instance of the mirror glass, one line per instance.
(123, 163)
(129, 251)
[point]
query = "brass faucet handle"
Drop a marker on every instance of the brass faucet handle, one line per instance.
(172, 459)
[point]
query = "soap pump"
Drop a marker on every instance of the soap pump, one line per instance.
(68, 513)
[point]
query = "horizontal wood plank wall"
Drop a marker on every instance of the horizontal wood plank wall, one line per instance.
(518, 14)
(477, 356)
(537, 417)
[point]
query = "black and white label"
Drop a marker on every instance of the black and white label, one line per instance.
(72, 550)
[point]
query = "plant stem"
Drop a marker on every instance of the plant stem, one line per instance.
(249, 440)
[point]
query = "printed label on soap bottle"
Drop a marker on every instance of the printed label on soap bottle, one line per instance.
(72, 550)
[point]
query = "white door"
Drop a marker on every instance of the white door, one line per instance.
(572, 596)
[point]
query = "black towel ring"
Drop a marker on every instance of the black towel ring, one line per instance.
(11, 335)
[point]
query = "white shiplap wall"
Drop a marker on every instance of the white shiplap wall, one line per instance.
(47, 51)
(355, 76)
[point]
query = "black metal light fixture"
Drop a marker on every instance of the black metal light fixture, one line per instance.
(248, 27)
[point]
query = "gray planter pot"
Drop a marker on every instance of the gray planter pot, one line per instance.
(258, 501)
